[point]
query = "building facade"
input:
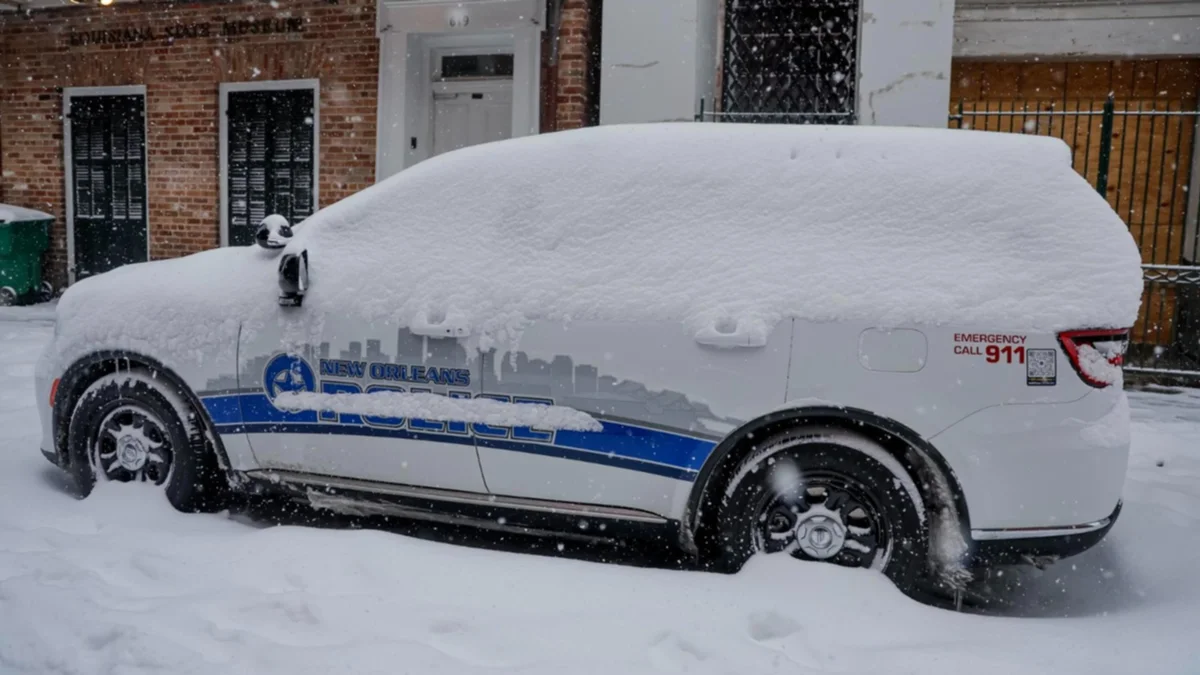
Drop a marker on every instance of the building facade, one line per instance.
(155, 129)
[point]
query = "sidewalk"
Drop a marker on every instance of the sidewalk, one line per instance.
(40, 312)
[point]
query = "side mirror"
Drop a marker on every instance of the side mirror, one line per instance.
(273, 232)
(293, 278)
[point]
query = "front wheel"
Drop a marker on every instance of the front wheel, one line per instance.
(125, 428)
(824, 495)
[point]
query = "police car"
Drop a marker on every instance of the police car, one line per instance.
(879, 348)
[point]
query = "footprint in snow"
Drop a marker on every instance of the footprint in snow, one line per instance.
(468, 644)
(669, 652)
(785, 635)
(771, 626)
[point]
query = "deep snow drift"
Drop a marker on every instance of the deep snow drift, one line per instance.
(120, 583)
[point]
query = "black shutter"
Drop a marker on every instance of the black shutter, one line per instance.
(270, 155)
(108, 176)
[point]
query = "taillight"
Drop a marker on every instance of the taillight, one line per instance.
(53, 391)
(1097, 355)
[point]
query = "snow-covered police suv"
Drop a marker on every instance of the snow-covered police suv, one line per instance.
(895, 349)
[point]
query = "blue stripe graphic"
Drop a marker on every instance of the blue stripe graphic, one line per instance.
(619, 445)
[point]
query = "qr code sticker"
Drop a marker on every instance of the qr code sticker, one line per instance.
(1041, 367)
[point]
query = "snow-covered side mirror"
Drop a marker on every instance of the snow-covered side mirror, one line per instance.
(273, 232)
(293, 278)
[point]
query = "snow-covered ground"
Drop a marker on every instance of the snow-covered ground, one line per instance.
(120, 583)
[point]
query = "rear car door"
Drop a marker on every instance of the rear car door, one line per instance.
(664, 397)
(351, 356)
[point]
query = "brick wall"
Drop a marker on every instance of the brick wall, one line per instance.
(568, 96)
(336, 44)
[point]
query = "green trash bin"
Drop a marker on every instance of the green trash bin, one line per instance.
(24, 236)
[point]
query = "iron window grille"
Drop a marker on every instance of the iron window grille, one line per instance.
(789, 61)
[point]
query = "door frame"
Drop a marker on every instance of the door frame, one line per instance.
(424, 86)
(463, 86)
(223, 138)
(68, 170)
(406, 28)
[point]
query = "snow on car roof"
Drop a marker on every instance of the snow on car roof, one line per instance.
(715, 226)
(728, 223)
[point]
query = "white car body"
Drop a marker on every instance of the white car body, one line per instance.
(1014, 439)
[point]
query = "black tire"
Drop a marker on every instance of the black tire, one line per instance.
(45, 291)
(132, 411)
(821, 482)
(8, 296)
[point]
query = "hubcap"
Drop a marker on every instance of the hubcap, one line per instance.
(131, 444)
(821, 533)
(826, 517)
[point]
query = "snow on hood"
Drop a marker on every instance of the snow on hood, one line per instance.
(706, 224)
(188, 308)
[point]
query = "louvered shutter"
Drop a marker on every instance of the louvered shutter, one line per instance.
(270, 155)
(108, 182)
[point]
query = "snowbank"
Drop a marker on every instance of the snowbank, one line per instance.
(711, 225)
(10, 214)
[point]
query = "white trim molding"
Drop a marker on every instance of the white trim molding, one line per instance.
(1078, 28)
(68, 171)
(223, 137)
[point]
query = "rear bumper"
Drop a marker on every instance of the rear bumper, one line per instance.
(1041, 467)
(1013, 546)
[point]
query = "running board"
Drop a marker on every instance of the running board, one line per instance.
(315, 483)
(1034, 532)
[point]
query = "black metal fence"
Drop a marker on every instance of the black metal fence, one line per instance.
(1141, 156)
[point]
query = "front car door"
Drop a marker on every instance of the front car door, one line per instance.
(665, 399)
(349, 356)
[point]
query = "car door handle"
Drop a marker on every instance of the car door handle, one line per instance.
(446, 328)
(743, 339)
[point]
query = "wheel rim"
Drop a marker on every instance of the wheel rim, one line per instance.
(131, 444)
(827, 517)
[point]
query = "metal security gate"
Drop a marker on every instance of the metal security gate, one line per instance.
(786, 61)
(270, 158)
(106, 179)
(1141, 157)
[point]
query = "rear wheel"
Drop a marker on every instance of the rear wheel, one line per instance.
(826, 496)
(127, 427)
(45, 291)
(8, 296)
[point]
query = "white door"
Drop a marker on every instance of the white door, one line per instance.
(465, 118)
